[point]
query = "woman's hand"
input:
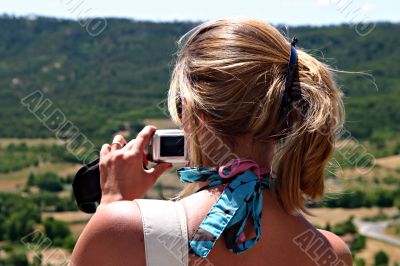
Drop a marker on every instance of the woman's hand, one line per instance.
(122, 175)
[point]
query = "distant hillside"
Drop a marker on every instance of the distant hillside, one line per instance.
(113, 81)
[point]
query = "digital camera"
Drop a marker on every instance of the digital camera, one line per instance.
(167, 145)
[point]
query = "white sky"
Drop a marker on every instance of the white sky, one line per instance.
(301, 12)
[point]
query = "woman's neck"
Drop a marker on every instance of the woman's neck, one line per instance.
(246, 147)
(260, 152)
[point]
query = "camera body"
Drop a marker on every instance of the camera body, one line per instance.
(167, 145)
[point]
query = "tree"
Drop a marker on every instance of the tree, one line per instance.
(397, 202)
(58, 232)
(18, 216)
(359, 262)
(345, 227)
(31, 179)
(328, 227)
(20, 224)
(358, 244)
(381, 259)
(18, 259)
(49, 182)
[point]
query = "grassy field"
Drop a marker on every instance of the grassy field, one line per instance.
(390, 162)
(337, 215)
(69, 216)
(61, 168)
(160, 123)
(15, 178)
(367, 180)
(30, 142)
(373, 246)
(14, 181)
(168, 186)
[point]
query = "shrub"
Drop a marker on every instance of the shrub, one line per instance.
(56, 229)
(381, 258)
(345, 227)
(358, 244)
(49, 182)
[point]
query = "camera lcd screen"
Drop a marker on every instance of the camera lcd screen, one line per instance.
(172, 146)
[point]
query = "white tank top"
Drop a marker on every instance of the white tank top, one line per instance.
(165, 232)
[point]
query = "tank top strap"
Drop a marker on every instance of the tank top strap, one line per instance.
(165, 232)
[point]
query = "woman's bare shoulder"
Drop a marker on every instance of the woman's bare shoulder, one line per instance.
(339, 247)
(113, 236)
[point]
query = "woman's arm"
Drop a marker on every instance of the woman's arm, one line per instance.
(113, 236)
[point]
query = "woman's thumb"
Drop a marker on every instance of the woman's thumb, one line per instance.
(158, 170)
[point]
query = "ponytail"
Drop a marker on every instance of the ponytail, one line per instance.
(314, 118)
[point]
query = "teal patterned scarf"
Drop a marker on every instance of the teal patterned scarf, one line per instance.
(242, 198)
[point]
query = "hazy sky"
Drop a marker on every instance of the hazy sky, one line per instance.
(315, 12)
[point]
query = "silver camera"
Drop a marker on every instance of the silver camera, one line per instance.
(167, 145)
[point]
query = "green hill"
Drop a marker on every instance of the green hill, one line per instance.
(112, 81)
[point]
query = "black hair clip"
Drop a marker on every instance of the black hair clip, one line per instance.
(291, 73)
(294, 41)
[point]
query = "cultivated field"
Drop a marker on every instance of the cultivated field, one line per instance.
(168, 186)
(338, 215)
(29, 142)
(373, 246)
(14, 181)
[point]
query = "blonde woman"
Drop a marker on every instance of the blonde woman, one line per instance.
(260, 118)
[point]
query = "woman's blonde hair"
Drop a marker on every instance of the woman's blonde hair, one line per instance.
(233, 70)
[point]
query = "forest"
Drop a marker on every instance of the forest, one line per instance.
(110, 82)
